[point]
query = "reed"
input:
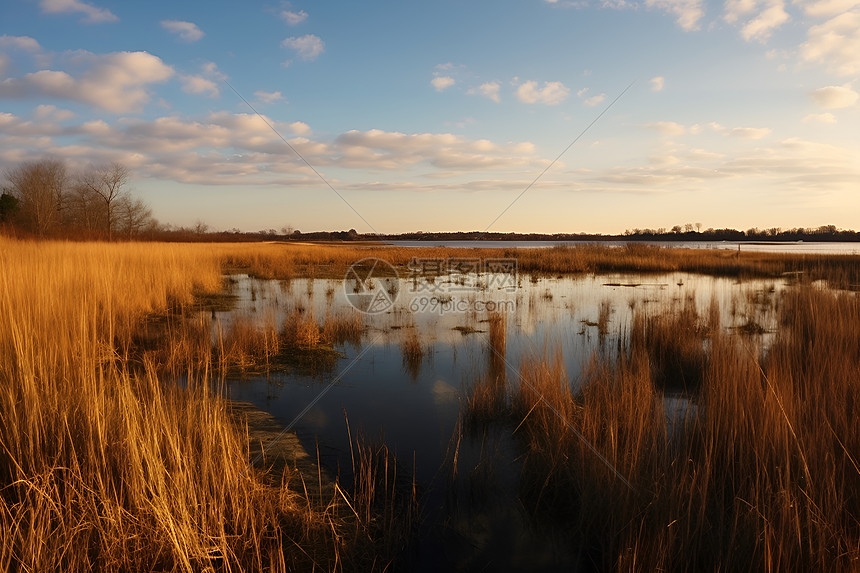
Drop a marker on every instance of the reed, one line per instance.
(104, 464)
(760, 477)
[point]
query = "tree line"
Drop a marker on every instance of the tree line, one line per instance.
(45, 198)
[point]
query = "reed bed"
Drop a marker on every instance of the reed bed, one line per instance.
(761, 474)
(103, 464)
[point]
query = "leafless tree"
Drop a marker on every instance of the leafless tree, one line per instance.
(39, 188)
(108, 182)
(133, 216)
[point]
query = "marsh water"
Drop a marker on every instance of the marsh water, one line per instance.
(414, 401)
(794, 247)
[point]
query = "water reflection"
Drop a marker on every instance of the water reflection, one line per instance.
(427, 358)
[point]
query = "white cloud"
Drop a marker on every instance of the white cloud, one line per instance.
(211, 71)
(115, 82)
(52, 113)
(489, 90)
(442, 83)
(92, 14)
(835, 97)
(187, 31)
(749, 132)
(688, 12)
(820, 118)
(835, 44)
(199, 85)
(758, 18)
(19, 42)
(552, 93)
(594, 100)
(828, 8)
(268, 97)
(667, 127)
(308, 47)
(4, 63)
(294, 18)
(657, 83)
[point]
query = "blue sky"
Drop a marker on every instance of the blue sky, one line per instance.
(435, 116)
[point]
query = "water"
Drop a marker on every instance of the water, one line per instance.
(799, 247)
(415, 406)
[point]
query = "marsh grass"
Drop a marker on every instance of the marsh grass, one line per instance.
(762, 476)
(107, 467)
(413, 352)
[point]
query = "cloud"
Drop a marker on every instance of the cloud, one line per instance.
(4, 64)
(688, 12)
(749, 132)
(187, 31)
(52, 113)
(199, 85)
(553, 93)
(590, 101)
(667, 127)
(758, 18)
(20, 42)
(828, 8)
(115, 82)
(441, 83)
(489, 90)
(268, 97)
(308, 47)
(294, 18)
(657, 83)
(835, 44)
(92, 14)
(820, 118)
(835, 97)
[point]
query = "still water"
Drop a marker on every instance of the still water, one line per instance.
(415, 404)
(795, 247)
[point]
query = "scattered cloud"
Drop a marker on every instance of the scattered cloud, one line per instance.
(115, 82)
(441, 83)
(294, 18)
(268, 97)
(552, 93)
(820, 118)
(657, 83)
(489, 90)
(192, 84)
(4, 64)
(19, 42)
(52, 113)
(687, 12)
(92, 14)
(835, 44)
(187, 31)
(749, 132)
(669, 128)
(757, 18)
(307, 47)
(835, 97)
(828, 8)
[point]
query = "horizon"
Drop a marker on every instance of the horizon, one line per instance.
(445, 116)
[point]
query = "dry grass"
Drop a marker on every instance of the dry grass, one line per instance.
(764, 476)
(412, 351)
(105, 466)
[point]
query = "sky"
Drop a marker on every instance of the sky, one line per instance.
(550, 116)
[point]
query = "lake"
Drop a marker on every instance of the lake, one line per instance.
(415, 403)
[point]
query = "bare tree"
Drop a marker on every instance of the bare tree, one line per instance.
(39, 188)
(133, 216)
(84, 209)
(108, 182)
